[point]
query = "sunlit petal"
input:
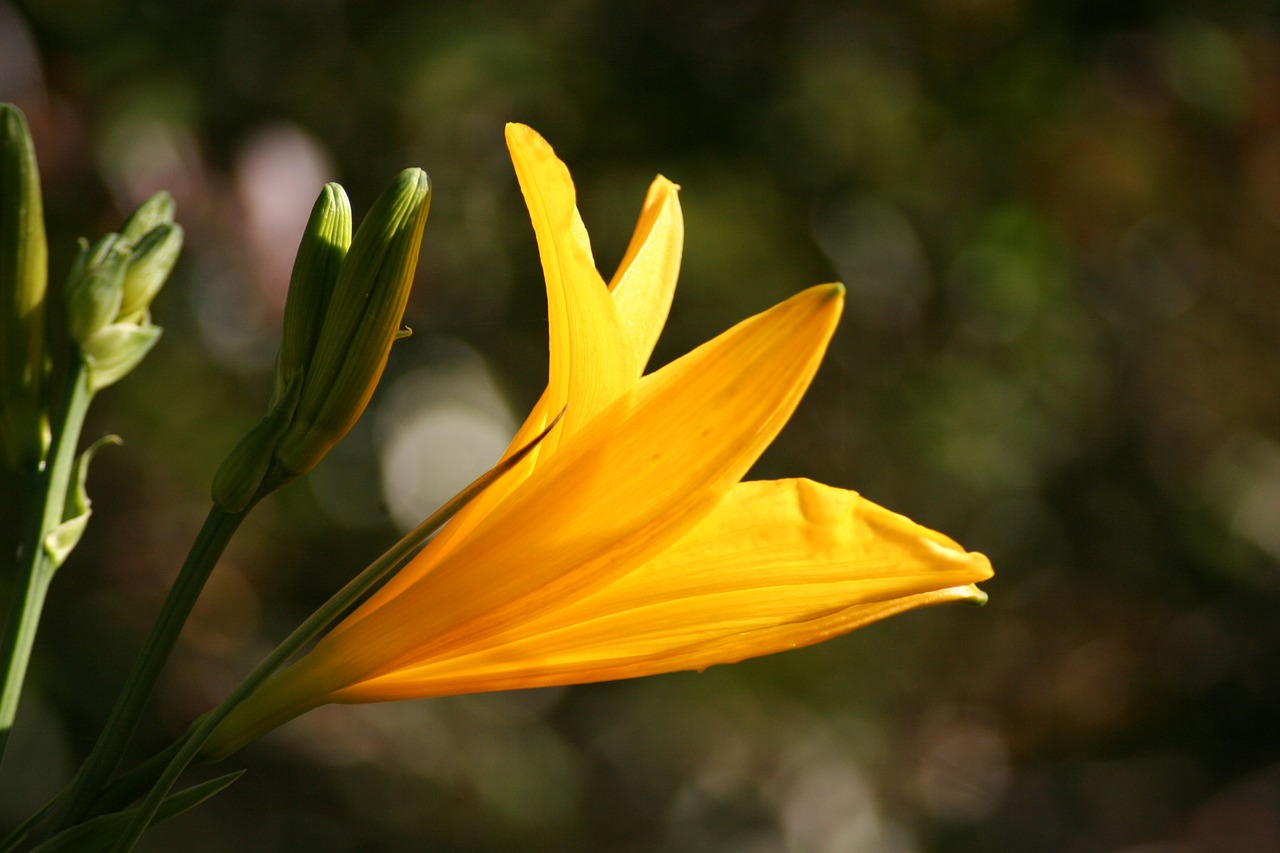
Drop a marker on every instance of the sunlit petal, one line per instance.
(645, 282)
(589, 357)
(631, 483)
(593, 354)
(776, 565)
(630, 546)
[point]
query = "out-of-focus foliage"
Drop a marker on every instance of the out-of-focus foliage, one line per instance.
(1060, 228)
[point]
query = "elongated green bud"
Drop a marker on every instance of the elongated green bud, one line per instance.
(315, 275)
(24, 427)
(154, 255)
(248, 470)
(362, 321)
(95, 287)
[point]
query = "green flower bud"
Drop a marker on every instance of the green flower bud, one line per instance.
(24, 427)
(315, 274)
(360, 324)
(154, 255)
(346, 300)
(325, 241)
(146, 217)
(95, 287)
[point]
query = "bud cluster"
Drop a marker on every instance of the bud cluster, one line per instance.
(110, 288)
(346, 301)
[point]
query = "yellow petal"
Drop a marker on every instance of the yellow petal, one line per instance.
(645, 282)
(593, 358)
(631, 483)
(776, 565)
(642, 289)
(589, 358)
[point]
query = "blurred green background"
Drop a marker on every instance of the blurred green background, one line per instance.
(1059, 224)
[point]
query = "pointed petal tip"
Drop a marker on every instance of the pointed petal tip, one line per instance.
(972, 595)
(520, 134)
(662, 182)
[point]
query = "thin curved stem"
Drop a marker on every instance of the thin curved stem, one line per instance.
(315, 624)
(36, 569)
(96, 771)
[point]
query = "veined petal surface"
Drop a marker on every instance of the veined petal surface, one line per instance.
(776, 565)
(589, 357)
(627, 544)
(645, 281)
(636, 479)
(641, 291)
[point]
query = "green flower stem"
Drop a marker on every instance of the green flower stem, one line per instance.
(37, 570)
(97, 769)
(316, 623)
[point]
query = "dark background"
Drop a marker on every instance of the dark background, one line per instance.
(1058, 223)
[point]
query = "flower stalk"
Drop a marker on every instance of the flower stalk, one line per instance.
(322, 618)
(343, 312)
(38, 566)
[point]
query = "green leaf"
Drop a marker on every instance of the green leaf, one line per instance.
(60, 541)
(102, 833)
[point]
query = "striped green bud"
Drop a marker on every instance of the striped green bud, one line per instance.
(24, 427)
(346, 300)
(325, 241)
(360, 324)
(315, 275)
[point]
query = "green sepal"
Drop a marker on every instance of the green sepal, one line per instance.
(95, 287)
(115, 350)
(241, 475)
(103, 833)
(60, 541)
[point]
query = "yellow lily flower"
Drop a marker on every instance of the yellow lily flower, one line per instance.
(626, 543)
